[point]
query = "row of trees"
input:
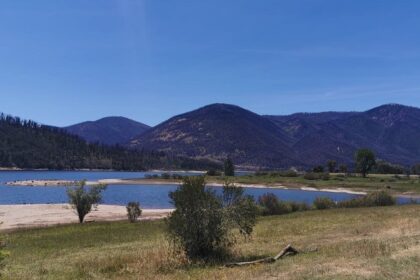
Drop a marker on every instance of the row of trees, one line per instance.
(365, 162)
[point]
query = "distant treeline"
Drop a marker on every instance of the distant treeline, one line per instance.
(27, 144)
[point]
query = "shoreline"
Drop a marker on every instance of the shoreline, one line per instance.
(26, 216)
(61, 183)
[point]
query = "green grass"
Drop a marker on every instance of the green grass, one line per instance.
(366, 243)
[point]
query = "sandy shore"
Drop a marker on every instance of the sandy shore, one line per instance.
(41, 215)
(165, 182)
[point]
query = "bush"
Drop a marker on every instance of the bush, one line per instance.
(379, 198)
(214, 172)
(271, 205)
(133, 211)
(83, 200)
(202, 222)
(311, 176)
(321, 203)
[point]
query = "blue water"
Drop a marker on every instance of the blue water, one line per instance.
(149, 196)
(7, 176)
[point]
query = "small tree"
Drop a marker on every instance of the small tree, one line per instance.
(318, 169)
(82, 199)
(343, 168)
(202, 221)
(133, 211)
(332, 165)
(365, 161)
(229, 168)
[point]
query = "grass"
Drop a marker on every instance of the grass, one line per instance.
(365, 243)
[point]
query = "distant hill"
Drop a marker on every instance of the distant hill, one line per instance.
(302, 140)
(218, 131)
(392, 131)
(109, 131)
(26, 144)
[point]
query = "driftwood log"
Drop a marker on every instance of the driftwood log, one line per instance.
(287, 251)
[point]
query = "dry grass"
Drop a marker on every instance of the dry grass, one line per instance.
(371, 243)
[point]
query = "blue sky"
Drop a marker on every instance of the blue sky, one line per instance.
(64, 61)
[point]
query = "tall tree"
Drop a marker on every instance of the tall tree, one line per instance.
(229, 167)
(365, 161)
(332, 165)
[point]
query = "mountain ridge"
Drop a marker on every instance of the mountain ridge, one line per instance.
(108, 130)
(300, 139)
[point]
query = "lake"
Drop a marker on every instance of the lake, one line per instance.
(149, 196)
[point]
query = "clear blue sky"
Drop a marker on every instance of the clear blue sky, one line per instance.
(66, 61)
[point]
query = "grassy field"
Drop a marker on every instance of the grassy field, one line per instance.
(366, 243)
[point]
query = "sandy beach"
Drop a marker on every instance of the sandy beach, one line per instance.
(42, 215)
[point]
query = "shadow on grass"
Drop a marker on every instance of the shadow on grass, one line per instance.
(209, 263)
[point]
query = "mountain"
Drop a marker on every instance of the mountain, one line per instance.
(26, 144)
(302, 140)
(109, 131)
(392, 131)
(218, 131)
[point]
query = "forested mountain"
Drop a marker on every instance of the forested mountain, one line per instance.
(109, 131)
(301, 140)
(26, 144)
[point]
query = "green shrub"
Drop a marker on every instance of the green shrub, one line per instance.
(202, 222)
(83, 199)
(312, 176)
(213, 172)
(321, 203)
(133, 211)
(379, 198)
(270, 205)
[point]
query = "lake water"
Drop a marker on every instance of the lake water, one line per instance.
(149, 196)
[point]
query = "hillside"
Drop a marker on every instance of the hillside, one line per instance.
(26, 144)
(302, 140)
(392, 131)
(218, 131)
(109, 131)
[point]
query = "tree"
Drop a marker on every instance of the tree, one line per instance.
(365, 161)
(332, 165)
(229, 168)
(343, 168)
(318, 169)
(133, 211)
(83, 199)
(202, 221)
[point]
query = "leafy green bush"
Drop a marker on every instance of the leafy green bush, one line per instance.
(213, 172)
(312, 176)
(379, 198)
(202, 222)
(321, 203)
(271, 205)
(133, 211)
(83, 199)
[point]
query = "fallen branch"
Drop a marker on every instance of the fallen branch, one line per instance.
(287, 251)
